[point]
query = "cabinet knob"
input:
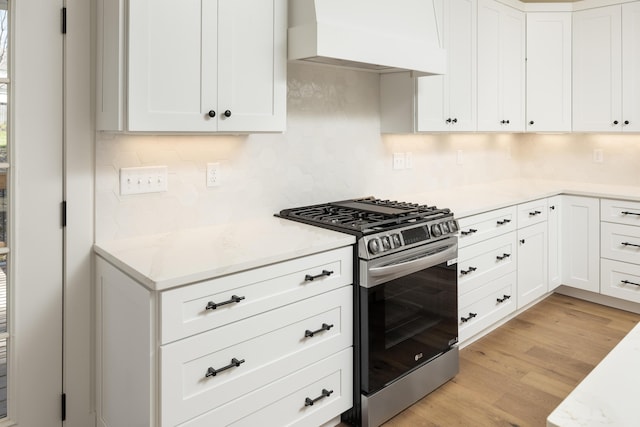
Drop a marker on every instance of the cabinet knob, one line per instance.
(227, 113)
(531, 123)
(505, 122)
(626, 122)
(615, 122)
(455, 120)
(449, 120)
(522, 241)
(212, 113)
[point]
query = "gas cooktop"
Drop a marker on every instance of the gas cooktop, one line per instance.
(366, 215)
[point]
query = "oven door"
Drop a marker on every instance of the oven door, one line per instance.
(409, 308)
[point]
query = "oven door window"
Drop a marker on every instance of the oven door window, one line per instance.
(408, 321)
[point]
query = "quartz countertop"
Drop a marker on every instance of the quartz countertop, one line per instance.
(172, 259)
(177, 258)
(606, 397)
(473, 199)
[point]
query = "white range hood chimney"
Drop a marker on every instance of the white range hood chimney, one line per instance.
(382, 36)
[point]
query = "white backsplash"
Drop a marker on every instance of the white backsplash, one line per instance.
(332, 150)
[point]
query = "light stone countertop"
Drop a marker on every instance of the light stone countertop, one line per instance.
(167, 260)
(606, 397)
(186, 256)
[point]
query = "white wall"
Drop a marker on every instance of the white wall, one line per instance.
(332, 149)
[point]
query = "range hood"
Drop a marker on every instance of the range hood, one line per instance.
(374, 35)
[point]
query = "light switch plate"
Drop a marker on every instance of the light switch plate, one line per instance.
(144, 179)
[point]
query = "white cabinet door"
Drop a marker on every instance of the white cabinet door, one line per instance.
(448, 102)
(501, 67)
(252, 51)
(532, 263)
(554, 248)
(172, 60)
(548, 72)
(580, 242)
(597, 74)
(631, 67)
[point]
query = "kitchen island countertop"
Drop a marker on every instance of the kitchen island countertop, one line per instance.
(166, 260)
(606, 397)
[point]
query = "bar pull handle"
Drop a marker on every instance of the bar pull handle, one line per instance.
(325, 393)
(630, 283)
(503, 299)
(471, 316)
(211, 372)
(504, 221)
(471, 231)
(325, 327)
(310, 278)
(534, 213)
(630, 244)
(503, 256)
(467, 271)
(213, 305)
(630, 213)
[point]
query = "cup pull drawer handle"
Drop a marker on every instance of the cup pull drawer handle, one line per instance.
(630, 244)
(630, 283)
(504, 221)
(310, 278)
(213, 305)
(325, 393)
(467, 271)
(325, 327)
(504, 298)
(471, 316)
(630, 213)
(211, 372)
(471, 231)
(503, 256)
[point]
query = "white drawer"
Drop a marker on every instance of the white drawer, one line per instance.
(272, 345)
(620, 280)
(476, 228)
(532, 212)
(284, 401)
(484, 261)
(620, 242)
(486, 305)
(183, 311)
(620, 211)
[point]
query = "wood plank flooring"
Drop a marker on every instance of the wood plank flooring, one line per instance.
(519, 373)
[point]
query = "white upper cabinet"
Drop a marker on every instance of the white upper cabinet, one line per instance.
(548, 72)
(194, 66)
(439, 103)
(606, 69)
(501, 67)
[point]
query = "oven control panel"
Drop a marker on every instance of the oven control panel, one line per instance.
(386, 242)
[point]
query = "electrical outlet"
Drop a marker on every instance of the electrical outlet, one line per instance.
(145, 179)
(408, 160)
(398, 161)
(214, 178)
(598, 155)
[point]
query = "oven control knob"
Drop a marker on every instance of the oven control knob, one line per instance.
(436, 230)
(374, 246)
(445, 227)
(386, 243)
(453, 226)
(396, 240)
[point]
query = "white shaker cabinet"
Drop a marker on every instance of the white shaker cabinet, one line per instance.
(606, 69)
(440, 103)
(581, 242)
(532, 251)
(548, 72)
(192, 66)
(501, 68)
(554, 227)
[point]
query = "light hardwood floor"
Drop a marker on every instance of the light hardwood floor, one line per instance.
(519, 373)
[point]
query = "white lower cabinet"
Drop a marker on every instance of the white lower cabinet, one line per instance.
(532, 263)
(274, 362)
(554, 227)
(620, 280)
(581, 242)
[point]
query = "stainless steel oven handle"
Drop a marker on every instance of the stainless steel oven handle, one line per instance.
(445, 253)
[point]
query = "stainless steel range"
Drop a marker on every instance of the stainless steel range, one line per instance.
(406, 310)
